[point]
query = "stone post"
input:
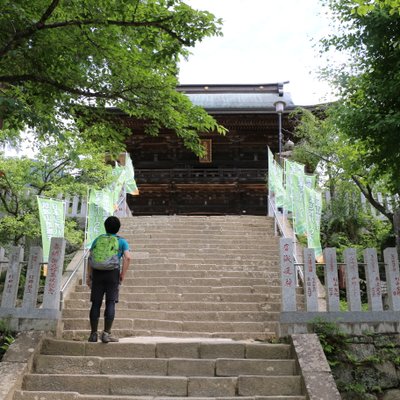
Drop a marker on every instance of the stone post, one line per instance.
(32, 278)
(392, 277)
(51, 296)
(2, 258)
(352, 280)
(331, 280)
(310, 280)
(288, 275)
(374, 289)
(12, 278)
(396, 228)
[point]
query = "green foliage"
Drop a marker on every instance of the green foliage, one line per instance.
(7, 337)
(339, 161)
(59, 168)
(368, 84)
(363, 7)
(357, 388)
(331, 338)
(63, 63)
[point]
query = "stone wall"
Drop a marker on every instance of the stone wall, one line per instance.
(367, 367)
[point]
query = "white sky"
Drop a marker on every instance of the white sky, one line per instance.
(265, 41)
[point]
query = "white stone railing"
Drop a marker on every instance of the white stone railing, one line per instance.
(28, 314)
(389, 202)
(75, 206)
(298, 311)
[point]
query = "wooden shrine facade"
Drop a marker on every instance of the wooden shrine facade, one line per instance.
(231, 178)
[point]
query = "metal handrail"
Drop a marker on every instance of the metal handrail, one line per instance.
(69, 280)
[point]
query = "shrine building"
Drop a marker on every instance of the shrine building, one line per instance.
(231, 178)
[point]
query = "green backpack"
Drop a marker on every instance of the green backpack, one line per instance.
(104, 254)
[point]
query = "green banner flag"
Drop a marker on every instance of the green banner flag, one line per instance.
(119, 174)
(299, 204)
(310, 181)
(275, 180)
(100, 206)
(280, 192)
(313, 214)
(131, 186)
(52, 222)
(291, 168)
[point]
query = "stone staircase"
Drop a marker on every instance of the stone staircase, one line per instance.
(193, 276)
(196, 310)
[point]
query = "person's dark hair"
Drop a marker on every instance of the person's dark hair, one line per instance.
(112, 224)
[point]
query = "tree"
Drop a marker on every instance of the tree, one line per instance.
(327, 151)
(368, 112)
(340, 163)
(62, 63)
(67, 167)
(363, 7)
(368, 84)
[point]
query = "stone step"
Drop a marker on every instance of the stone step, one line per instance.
(51, 395)
(146, 324)
(220, 264)
(136, 272)
(86, 365)
(128, 288)
(182, 306)
(190, 297)
(226, 245)
(224, 316)
(199, 282)
(200, 237)
(185, 222)
(259, 242)
(199, 251)
(83, 334)
(169, 348)
(186, 226)
(165, 385)
(182, 258)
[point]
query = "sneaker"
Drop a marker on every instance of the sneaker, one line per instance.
(93, 337)
(107, 337)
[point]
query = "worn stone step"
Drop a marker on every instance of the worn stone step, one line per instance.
(49, 395)
(190, 297)
(172, 348)
(223, 264)
(169, 281)
(262, 235)
(83, 334)
(232, 316)
(182, 306)
(195, 273)
(204, 246)
(165, 385)
(186, 281)
(174, 325)
(86, 365)
(127, 288)
(227, 244)
(198, 248)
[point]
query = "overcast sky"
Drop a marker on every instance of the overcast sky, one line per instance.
(265, 41)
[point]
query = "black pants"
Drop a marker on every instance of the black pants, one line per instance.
(104, 283)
